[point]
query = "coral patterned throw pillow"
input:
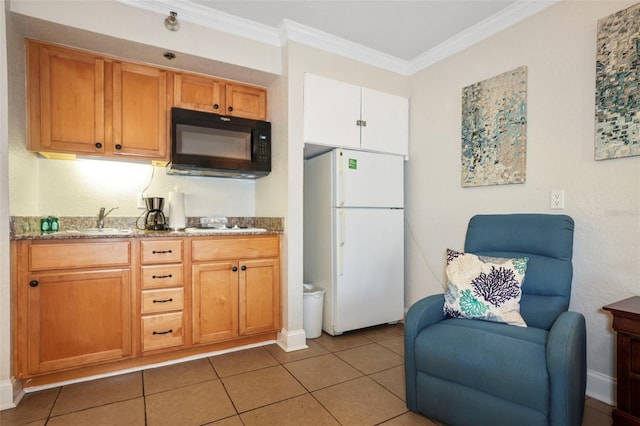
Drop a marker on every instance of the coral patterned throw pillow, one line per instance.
(485, 288)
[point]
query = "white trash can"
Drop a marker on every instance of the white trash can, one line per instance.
(312, 310)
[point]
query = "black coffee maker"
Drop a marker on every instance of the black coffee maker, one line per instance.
(155, 220)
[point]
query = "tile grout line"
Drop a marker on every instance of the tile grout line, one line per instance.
(226, 391)
(144, 399)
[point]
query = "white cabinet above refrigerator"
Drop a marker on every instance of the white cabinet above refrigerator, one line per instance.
(343, 115)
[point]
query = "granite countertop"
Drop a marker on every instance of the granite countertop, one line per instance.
(71, 228)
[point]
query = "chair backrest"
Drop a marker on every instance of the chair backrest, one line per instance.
(547, 240)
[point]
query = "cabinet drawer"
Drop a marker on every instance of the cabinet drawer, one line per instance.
(78, 255)
(162, 331)
(234, 248)
(161, 276)
(164, 251)
(164, 300)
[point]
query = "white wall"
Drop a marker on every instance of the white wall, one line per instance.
(558, 46)
(81, 187)
(6, 387)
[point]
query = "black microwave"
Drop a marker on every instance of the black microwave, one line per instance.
(207, 144)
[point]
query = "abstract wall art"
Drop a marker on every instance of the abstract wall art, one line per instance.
(494, 130)
(618, 85)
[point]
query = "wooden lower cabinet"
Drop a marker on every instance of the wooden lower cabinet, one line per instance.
(162, 295)
(215, 302)
(78, 318)
(259, 304)
(72, 304)
(84, 307)
(233, 297)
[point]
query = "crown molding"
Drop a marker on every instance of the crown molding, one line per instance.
(507, 17)
(293, 31)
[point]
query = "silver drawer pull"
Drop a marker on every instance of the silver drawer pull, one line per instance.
(162, 301)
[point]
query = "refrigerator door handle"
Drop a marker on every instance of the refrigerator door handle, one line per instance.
(341, 178)
(341, 242)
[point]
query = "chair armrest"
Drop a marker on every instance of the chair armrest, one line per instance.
(423, 313)
(567, 367)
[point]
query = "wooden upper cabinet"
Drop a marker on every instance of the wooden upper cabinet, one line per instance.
(139, 111)
(199, 93)
(87, 104)
(219, 96)
(246, 101)
(66, 100)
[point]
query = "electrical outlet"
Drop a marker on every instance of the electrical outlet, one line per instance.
(140, 201)
(557, 199)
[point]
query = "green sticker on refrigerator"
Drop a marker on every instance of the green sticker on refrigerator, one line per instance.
(353, 163)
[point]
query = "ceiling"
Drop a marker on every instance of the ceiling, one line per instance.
(403, 29)
(403, 36)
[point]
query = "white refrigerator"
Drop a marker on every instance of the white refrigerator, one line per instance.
(354, 237)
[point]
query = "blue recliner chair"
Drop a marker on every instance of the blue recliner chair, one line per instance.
(471, 372)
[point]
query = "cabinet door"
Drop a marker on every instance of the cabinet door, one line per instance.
(259, 295)
(140, 112)
(331, 112)
(387, 118)
(66, 101)
(246, 101)
(199, 93)
(215, 301)
(78, 318)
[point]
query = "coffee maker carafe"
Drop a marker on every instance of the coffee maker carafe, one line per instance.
(155, 220)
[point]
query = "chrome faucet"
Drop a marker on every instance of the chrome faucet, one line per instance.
(102, 215)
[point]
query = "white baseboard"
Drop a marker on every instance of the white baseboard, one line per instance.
(6, 395)
(601, 387)
(291, 341)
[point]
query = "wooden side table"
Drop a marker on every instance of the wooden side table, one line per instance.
(626, 323)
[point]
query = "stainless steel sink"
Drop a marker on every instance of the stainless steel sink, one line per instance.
(98, 231)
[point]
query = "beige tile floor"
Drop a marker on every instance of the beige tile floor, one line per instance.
(353, 379)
